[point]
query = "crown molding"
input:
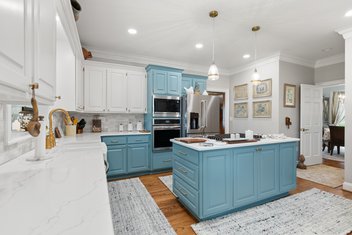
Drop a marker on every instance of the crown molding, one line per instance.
(143, 61)
(345, 32)
(297, 60)
(339, 58)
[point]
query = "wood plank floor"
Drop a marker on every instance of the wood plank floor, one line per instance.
(181, 220)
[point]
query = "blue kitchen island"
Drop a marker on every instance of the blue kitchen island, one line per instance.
(217, 180)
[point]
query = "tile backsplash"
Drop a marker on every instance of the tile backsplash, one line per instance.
(9, 152)
(109, 122)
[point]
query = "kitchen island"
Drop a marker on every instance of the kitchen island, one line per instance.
(213, 181)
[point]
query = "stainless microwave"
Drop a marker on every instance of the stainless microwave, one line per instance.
(166, 106)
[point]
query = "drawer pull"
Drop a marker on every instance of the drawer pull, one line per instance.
(183, 170)
(139, 140)
(182, 153)
(114, 141)
(167, 160)
(183, 192)
(259, 149)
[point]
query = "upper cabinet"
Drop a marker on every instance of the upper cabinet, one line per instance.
(27, 49)
(190, 80)
(118, 90)
(165, 81)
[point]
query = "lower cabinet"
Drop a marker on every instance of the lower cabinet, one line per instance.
(228, 180)
(161, 160)
(138, 159)
(117, 158)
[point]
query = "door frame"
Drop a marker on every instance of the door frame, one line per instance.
(226, 106)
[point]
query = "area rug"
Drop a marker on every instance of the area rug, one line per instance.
(167, 181)
(310, 212)
(335, 157)
(134, 211)
(323, 174)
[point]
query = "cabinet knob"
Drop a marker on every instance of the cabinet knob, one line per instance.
(34, 86)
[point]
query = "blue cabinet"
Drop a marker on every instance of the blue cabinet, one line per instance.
(138, 159)
(165, 80)
(161, 160)
(288, 158)
(189, 80)
(117, 159)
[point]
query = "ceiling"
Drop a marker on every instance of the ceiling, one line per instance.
(169, 30)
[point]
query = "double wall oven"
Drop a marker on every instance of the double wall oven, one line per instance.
(166, 121)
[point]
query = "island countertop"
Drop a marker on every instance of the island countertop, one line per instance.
(218, 145)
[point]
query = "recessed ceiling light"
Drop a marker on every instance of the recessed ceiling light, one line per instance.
(246, 56)
(199, 45)
(326, 49)
(348, 14)
(132, 31)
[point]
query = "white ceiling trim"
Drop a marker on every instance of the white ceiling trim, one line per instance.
(340, 58)
(144, 61)
(296, 60)
(345, 32)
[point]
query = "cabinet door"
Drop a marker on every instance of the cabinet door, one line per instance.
(79, 85)
(186, 82)
(116, 91)
(117, 158)
(15, 48)
(217, 197)
(174, 83)
(159, 82)
(288, 158)
(202, 83)
(137, 92)
(245, 176)
(94, 88)
(138, 157)
(45, 48)
(268, 171)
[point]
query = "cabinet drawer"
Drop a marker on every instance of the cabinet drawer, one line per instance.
(162, 160)
(186, 153)
(111, 140)
(138, 139)
(186, 194)
(186, 171)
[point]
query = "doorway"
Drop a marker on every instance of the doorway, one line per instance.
(221, 111)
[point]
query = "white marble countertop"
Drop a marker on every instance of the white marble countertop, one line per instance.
(66, 194)
(218, 145)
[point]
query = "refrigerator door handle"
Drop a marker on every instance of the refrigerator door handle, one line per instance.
(203, 116)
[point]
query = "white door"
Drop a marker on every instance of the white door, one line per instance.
(95, 89)
(311, 123)
(116, 91)
(15, 46)
(45, 48)
(136, 92)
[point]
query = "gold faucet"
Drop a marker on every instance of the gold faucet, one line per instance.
(50, 139)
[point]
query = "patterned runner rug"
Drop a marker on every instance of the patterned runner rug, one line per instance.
(323, 174)
(310, 212)
(134, 211)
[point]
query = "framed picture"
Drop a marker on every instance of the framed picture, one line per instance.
(289, 95)
(262, 109)
(241, 110)
(241, 92)
(263, 89)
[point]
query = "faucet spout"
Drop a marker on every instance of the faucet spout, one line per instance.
(50, 139)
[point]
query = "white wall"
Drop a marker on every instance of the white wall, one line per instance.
(296, 75)
(258, 125)
(329, 73)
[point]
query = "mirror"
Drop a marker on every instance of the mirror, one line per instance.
(16, 119)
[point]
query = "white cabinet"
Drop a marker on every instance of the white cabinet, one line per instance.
(94, 89)
(79, 86)
(27, 49)
(108, 89)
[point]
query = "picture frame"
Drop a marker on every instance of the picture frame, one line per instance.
(241, 110)
(289, 95)
(262, 109)
(240, 92)
(263, 89)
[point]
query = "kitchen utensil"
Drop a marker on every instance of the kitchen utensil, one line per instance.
(191, 140)
(70, 130)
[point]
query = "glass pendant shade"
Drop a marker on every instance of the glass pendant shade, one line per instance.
(256, 77)
(213, 73)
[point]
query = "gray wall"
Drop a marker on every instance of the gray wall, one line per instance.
(329, 73)
(327, 90)
(296, 75)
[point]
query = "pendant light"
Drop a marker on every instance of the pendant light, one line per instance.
(213, 73)
(255, 76)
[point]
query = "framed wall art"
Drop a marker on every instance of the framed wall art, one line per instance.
(241, 92)
(289, 95)
(263, 89)
(262, 109)
(241, 110)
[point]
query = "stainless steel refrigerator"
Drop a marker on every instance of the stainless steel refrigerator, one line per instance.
(200, 115)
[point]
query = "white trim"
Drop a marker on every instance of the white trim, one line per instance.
(143, 61)
(296, 60)
(347, 186)
(227, 106)
(345, 32)
(331, 83)
(113, 65)
(335, 59)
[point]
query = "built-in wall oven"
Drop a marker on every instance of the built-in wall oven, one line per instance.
(165, 129)
(166, 106)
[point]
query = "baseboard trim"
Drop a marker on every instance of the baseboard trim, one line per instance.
(347, 186)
